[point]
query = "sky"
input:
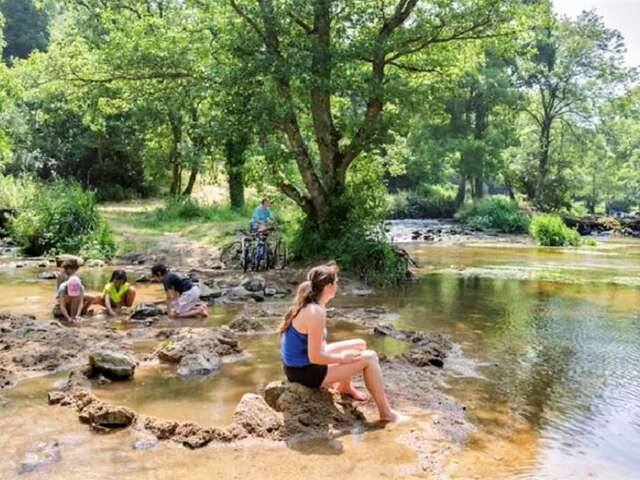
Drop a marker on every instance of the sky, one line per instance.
(623, 15)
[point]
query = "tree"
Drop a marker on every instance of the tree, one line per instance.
(26, 28)
(575, 67)
(331, 67)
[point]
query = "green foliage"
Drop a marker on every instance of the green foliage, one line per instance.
(550, 231)
(14, 191)
(181, 209)
(62, 217)
(496, 213)
(430, 201)
(25, 28)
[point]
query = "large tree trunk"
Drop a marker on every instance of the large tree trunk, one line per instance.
(462, 191)
(235, 159)
(477, 187)
(543, 162)
(174, 154)
(188, 190)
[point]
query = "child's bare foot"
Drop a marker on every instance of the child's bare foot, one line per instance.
(395, 417)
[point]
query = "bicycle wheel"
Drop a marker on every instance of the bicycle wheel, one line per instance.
(231, 255)
(280, 255)
(246, 255)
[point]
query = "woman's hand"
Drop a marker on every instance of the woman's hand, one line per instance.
(349, 356)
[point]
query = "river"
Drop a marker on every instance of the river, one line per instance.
(549, 376)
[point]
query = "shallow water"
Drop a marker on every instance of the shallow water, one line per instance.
(550, 377)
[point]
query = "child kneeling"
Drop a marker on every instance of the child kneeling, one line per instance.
(117, 293)
(183, 297)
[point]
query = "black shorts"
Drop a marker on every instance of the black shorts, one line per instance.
(310, 376)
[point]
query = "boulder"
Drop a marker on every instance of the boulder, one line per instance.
(204, 341)
(146, 310)
(60, 259)
(311, 412)
(256, 417)
(143, 279)
(253, 284)
(209, 294)
(44, 454)
(54, 398)
(270, 292)
(195, 364)
(47, 276)
(103, 416)
(243, 295)
(111, 364)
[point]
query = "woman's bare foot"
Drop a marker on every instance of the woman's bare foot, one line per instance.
(395, 417)
(354, 393)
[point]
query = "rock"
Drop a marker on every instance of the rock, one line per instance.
(146, 310)
(195, 364)
(103, 416)
(253, 284)
(113, 365)
(60, 259)
(7, 378)
(44, 454)
(270, 292)
(245, 324)
(242, 294)
(311, 412)
(54, 398)
(256, 417)
(47, 276)
(143, 279)
(162, 429)
(209, 294)
(203, 341)
(362, 292)
(43, 264)
(95, 263)
(192, 435)
(144, 443)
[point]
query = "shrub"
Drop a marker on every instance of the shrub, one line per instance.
(14, 191)
(496, 213)
(62, 217)
(427, 202)
(550, 231)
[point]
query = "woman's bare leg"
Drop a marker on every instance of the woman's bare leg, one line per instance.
(370, 367)
(346, 387)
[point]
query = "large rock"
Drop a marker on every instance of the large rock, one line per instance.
(246, 324)
(113, 365)
(146, 310)
(256, 417)
(195, 364)
(75, 379)
(311, 412)
(210, 294)
(60, 259)
(103, 416)
(44, 454)
(162, 429)
(253, 283)
(209, 343)
(47, 276)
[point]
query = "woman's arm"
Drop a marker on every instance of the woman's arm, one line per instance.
(316, 323)
(63, 308)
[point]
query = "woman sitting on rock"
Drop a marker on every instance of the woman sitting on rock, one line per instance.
(308, 358)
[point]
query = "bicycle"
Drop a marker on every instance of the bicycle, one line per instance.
(252, 251)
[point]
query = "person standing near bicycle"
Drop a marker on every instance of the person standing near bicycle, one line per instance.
(262, 218)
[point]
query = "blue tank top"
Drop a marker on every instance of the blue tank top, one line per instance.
(294, 348)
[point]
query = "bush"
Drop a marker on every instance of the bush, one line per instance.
(550, 231)
(427, 202)
(62, 217)
(496, 213)
(14, 191)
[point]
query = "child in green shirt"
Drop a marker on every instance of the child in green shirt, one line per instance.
(117, 293)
